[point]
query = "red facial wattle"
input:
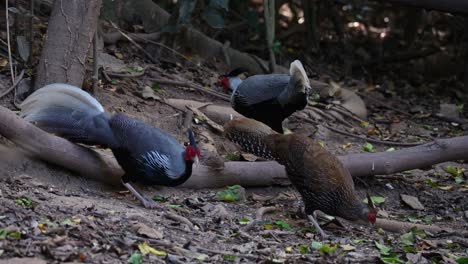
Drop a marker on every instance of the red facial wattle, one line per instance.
(224, 82)
(191, 153)
(372, 217)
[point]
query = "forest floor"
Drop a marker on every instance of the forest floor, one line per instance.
(48, 215)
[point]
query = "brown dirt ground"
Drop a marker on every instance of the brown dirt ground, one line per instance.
(72, 219)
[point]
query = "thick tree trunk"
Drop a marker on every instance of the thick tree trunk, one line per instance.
(69, 35)
(451, 6)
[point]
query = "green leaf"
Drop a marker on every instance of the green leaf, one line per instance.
(304, 249)
(230, 194)
(114, 82)
(1, 252)
(368, 147)
(409, 249)
(454, 171)
(156, 87)
(244, 221)
(462, 260)
(135, 258)
(316, 244)
(392, 258)
(24, 201)
(15, 235)
(428, 219)
(174, 206)
(384, 250)
(229, 257)
(68, 222)
(357, 241)
(223, 4)
(283, 225)
(459, 179)
(375, 199)
(327, 249)
(232, 157)
(390, 149)
(407, 239)
(418, 232)
(3, 233)
(159, 198)
(431, 183)
(276, 46)
(214, 17)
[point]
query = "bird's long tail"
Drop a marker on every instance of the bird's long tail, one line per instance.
(69, 112)
(252, 136)
(298, 87)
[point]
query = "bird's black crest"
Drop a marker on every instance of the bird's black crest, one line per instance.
(192, 141)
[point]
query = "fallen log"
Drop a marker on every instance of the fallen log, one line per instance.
(103, 167)
(100, 165)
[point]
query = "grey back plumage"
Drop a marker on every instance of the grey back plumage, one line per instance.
(156, 151)
(259, 88)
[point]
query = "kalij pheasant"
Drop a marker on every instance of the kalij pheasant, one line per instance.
(270, 98)
(321, 179)
(146, 154)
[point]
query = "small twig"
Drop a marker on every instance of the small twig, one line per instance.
(371, 140)
(399, 178)
(179, 219)
(227, 253)
(125, 75)
(383, 104)
(95, 63)
(225, 53)
(258, 217)
(15, 83)
(190, 85)
(187, 120)
(269, 16)
(31, 31)
(10, 60)
(210, 122)
(106, 76)
(339, 117)
(342, 111)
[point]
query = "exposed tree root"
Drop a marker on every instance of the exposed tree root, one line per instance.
(402, 227)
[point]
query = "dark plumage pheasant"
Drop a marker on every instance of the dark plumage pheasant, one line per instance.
(146, 154)
(321, 179)
(269, 98)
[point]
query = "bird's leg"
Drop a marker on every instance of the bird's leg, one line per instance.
(317, 226)
(147, 203)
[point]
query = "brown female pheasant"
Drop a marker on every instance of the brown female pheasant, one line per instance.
(321, 179)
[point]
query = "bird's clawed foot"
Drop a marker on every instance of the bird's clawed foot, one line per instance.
(150, 204)
(317, 227)
(147, 203)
